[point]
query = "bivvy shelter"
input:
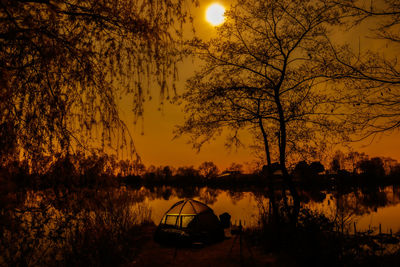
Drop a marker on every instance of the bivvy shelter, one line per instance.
(189, 221)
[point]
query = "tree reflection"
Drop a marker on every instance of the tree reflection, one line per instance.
(187, 192)
(87, 227)
(209, 195)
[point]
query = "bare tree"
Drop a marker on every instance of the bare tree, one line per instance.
(64, 65)
(270, 68)
(375, 75)
(208, 170)
(386, 11)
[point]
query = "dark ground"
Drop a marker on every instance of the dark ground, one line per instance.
(218, 254)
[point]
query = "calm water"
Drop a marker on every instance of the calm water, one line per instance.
(367, 209)
(46, 220)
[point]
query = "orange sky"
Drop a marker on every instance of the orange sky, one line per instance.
(156, 146)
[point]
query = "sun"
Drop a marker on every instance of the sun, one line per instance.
(215, 14)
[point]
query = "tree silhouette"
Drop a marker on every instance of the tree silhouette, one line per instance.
(235, 168)
(187, 172)
(388, 11)
(268, 70)
(305, 170)
(375, 74)
(372, 167)
(208, 169)
(64, 65)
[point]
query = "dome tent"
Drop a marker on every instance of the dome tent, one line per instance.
(189, 221)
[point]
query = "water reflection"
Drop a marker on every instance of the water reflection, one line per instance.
(366, 207)
(82, 228)
(61, 224)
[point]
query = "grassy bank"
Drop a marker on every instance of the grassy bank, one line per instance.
(85, 228)
(316, 240)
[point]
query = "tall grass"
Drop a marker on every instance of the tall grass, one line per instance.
(321, 241)
(84, 228)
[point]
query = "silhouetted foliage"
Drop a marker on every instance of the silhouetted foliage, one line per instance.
(354, 167)
(374, 76)
(64, 64)
(320, 240)
(372, 167)
(263, 73)
(62, 228)
(308, 171)
(208, 170)
(348, 162)
(317, 167)
(236, 168)
(301, 168)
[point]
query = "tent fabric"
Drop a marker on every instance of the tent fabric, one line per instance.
(189, 221)
(189, 206)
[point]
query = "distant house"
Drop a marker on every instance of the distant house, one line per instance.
(229, 173)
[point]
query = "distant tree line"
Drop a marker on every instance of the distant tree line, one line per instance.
(100, 170)
(274, 70)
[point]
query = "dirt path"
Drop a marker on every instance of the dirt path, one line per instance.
(219, 254)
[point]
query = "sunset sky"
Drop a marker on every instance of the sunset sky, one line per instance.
(156, 145)
(116, 114)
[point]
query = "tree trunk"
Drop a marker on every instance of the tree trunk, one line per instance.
(282, 161)
(266, 145)
(282, 134)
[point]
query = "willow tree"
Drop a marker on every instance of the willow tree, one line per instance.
(64, 65)
(270, 69)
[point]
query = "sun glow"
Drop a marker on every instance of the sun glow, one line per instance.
(215, 14)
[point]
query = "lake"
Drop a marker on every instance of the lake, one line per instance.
(367, 208)
(78, 223)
